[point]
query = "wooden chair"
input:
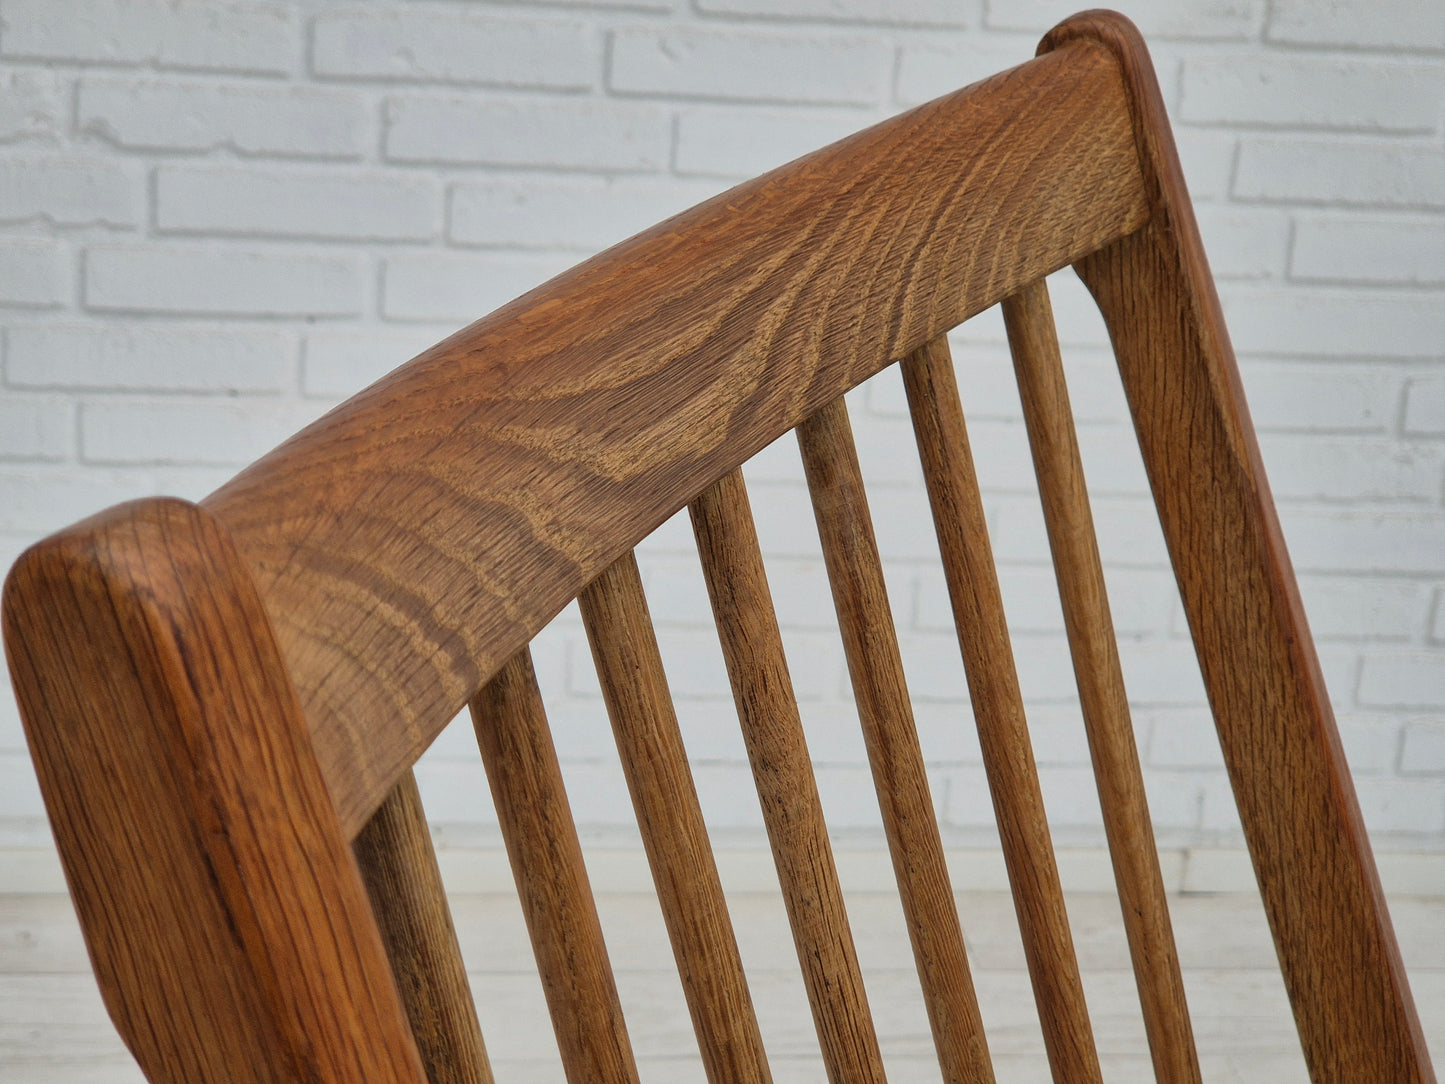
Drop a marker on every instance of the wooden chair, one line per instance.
(225, 700)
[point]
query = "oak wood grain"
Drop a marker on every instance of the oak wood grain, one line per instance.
(546, 857)
(1296, 801)
(1029, 321)
(880, 689)
(737, 586)
(400, 575)
(225, 917)
(629, 667)
(1008, 758)
(399, 866)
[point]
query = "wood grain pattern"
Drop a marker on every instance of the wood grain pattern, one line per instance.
(629, 667)
(226, 919)
(399, 866)
(400, 576)
(1008, 757)
(1029, 321)
(546, 858)
(880, 689)
(752, 647)
(1301, 819)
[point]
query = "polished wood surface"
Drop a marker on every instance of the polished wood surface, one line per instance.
(649, 743)
(1029, 321)
(752, 647)
(220, 697)
(875, 666)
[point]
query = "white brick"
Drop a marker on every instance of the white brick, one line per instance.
(229, 281)
(1128, 532)
(745, 143)
(1360, 541)
(750, 66)
(1225, 19)
(38, 500)
(1370, 741)
(1360, 173)
(891, 12)
(597, 135)
(1437, 623)
(459, 47)
(1182, 738)
(19, 790)
(1389, 24)
(445, 287)
(1425, 406)
(1398, 805)
(1207, 158)
(1354, 469)
(1309, 92)
(1322, 323)
(1320, 398)
(270, 203)
(70, 192)
(192, 431)
(339, 363)
(210, 34)
(930, 69)
(1423, 751)
(36, 426)
(1414, 680)
(35, 274)
(1161, 672)
(1375, 609)
(148, 358)
(1344, 250)
(582, 213)
(32, 105)
(154, 114)
(1244, 243)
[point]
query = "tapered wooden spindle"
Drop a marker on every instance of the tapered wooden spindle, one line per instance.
(870, 643)
(998, 709)
(399, 866)
(546, 858)
(753, 650)
(1030, 323)
(649, 742)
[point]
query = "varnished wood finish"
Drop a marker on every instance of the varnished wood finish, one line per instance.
(649, 742)
(752, 647)
(225, 917)
(875, 666)
(993, 685)
(541, 840)
(1301, 819)
(401, 576)
(1029, 320)
(399, 866)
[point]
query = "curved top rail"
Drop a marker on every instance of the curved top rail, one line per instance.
(409, 542)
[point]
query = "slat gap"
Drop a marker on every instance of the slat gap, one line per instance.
(732, 565)
(1054, 443)
(546, 857)
(649, 742)
(998, 710)
(870, 642)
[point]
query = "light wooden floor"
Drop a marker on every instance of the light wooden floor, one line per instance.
(53, 1028)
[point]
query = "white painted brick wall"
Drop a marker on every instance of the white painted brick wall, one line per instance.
(218, 217)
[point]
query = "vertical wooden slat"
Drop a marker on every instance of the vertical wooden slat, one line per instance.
(649, 742)
(546, 858)
(399, 867)
(871, 645)
(1032, 339)
(753, 650)
(998, 708)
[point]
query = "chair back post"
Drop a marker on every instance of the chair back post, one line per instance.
(226, 919)
(1301, 819)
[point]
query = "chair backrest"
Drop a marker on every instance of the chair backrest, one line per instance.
(225, 700)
